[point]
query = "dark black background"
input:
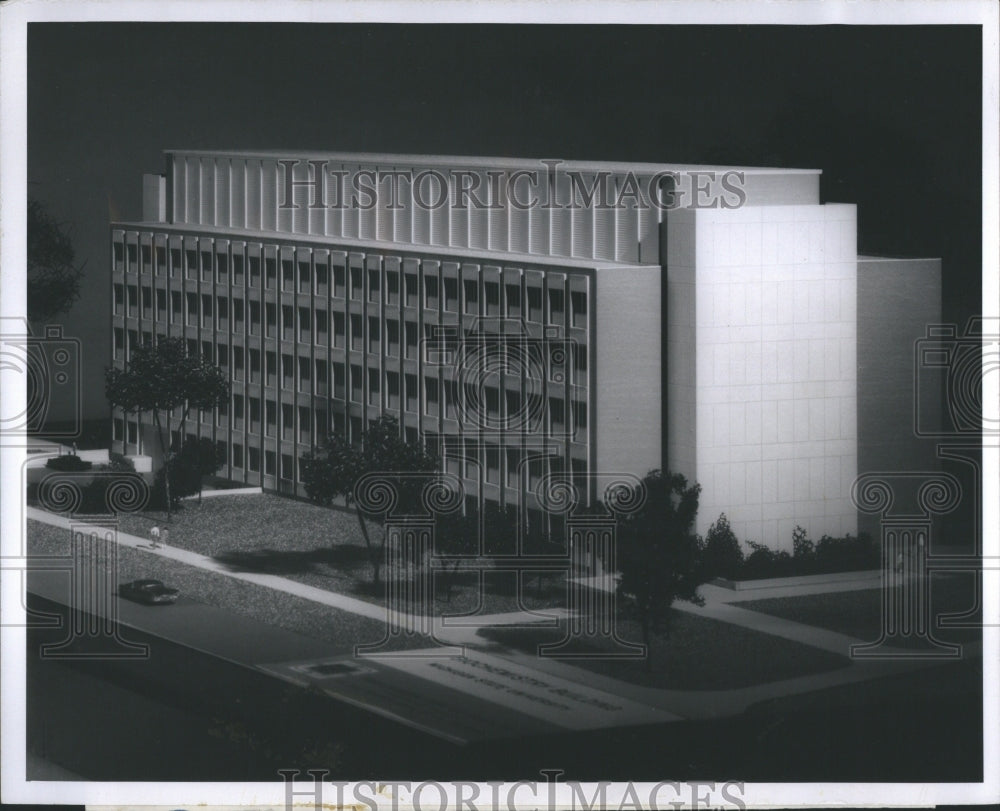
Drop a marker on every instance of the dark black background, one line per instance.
(891, 114)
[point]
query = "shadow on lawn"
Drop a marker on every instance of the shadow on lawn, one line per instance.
(344, 557)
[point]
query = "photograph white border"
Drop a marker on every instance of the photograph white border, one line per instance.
(14, 17)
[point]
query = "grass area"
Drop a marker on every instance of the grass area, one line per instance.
(859, 613)
(324, 547)
(699, 654)
(263, 604)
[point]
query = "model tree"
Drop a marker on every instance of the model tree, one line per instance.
(53, 275)
(160, 378)
(659, 553)
(332, 471)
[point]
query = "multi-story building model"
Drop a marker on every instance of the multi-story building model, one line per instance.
(525, 317)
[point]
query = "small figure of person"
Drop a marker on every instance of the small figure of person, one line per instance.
(154, 535)
(164, 535)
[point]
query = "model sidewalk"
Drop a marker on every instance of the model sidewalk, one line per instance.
(212, 630)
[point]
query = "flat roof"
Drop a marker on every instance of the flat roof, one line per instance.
(481, 162)
(880, 258)
(481, 255)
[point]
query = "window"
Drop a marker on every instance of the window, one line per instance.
(161, 259)
(147, 301)
(287, 276)
(322, 279)
(253, 460)
(392, 338)
(555, 306)
(322, 322)
(176, 307)
(255, 317)
(492, 464)
(338, 380)
(146, 258)
(238, 362)
(270, 319)
(119, 349)
(224, 358)
(305, 324)
(391, 287)
(192, 308)
(222, 268)
(222, 315)
(254, 415)
(237, 455)
(237, 270)
(305, 424)
(338, 281)
(411, 340)
(254, 365)
(513, 469)
(237, 411)
(579, 417)
(373, 390)
(206, 311)
(357, 333)
(287, 322)
(451, 295)
(191, 264)
(118, 430)
(238, 316)
(270, 418)
(432, 398)
(374, 333)
(133, 300)
(431, 298)
(270, 463)
(254, 271)
(357, 283)
(411, 290)
(357, 376)
(492, 295)
(471, 288)
(119, 299)
(161, 305)
(119, 248)
(513, 292)
(305, 278)
(287, 372)
(131, 258)
(133, 431)
(580, 363)
(411, 393)
(321, 387)
(373, 285)
(270, 368)
(392, 390)
(578, 301)
(305, 374)
(287, 420)
(270, 273)
(206, 266)
(534, 304)
(338, 329)
(557, 416)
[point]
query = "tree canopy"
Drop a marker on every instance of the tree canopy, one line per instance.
(658, 551)
(53, 275)
(332, 472)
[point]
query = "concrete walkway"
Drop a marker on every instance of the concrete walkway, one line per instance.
(678, 703)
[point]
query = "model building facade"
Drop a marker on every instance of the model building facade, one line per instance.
(526, 317)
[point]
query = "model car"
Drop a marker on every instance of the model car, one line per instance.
(150, 592)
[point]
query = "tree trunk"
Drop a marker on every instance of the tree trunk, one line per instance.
(166, 456)
(375, 559)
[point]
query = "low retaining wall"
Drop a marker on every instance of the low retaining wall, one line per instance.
(874, 575)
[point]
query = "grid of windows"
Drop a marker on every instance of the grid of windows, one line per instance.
(323, 344)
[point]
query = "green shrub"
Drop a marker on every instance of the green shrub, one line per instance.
(847, 553)
(802, 548)
(765, 562)
(119, 463)
(722, 555)
(70, 463)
